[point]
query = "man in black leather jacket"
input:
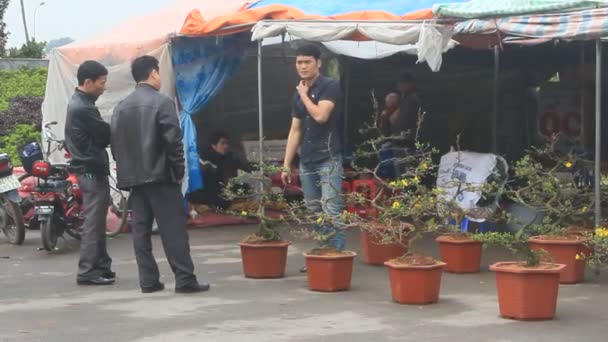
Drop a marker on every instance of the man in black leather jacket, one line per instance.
(87, 136)
(147, 146)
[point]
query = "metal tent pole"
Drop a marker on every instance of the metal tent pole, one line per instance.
(260, 114)
(598, 128)
(598, 132)
(496, 99)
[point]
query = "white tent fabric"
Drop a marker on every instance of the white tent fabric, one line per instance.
(61, 82)
(403, 35)
(374, 50)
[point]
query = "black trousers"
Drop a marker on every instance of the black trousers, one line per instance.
(165, 203)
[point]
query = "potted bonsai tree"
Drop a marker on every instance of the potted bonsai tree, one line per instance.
(550, 182)
(527, 290)
(407, 210)
(264, 253)
(328, 268)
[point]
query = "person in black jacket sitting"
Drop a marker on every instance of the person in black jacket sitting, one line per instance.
(218, 165)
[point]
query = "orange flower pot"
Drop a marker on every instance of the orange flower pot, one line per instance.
(527, 293)
(329, 273)
(415, 284)
(564, 252)
(264, 260)
(460, 255)
(374, 252)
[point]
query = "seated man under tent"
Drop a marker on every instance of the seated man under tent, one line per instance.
(218, 166)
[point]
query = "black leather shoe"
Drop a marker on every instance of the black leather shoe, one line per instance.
(303, 269)
(154, 288)
(95, 281)
(193, 288)
(109, 275)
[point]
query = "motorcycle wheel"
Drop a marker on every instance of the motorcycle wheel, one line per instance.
(120, 208)
(48, 232)
(11, 221)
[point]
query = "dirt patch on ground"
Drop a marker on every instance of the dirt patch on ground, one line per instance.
(415, 260)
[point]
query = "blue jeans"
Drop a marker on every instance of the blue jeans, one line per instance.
(322, 186)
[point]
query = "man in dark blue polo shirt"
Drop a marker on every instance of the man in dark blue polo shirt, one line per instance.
(315, 128)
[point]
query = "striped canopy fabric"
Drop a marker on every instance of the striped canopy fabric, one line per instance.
(498, 8)
(574, 25)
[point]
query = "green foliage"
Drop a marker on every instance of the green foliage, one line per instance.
(31, 49)
(22, 135)
(3, 32)
(22, 82)
(253, 187)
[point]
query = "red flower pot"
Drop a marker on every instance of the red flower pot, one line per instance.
(374, 252)
(527, 293)
(414, 284)
(329, 273)
(264, 260)
(461, 254)
(564, 251)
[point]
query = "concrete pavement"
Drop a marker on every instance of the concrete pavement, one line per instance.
(40, 301)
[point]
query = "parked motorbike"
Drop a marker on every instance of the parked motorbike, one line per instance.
(11, 217)
(58, 199)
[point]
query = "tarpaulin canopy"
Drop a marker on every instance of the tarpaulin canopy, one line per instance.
(486, 8)
(537, 28)
(387, 10)
(116, 48)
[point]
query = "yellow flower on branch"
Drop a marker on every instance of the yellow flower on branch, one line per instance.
(320, 220)
(404, 182)
(580, 256)
(243, 213)
(416, 180)
(393, 184)
(396, 205)
(568, 164)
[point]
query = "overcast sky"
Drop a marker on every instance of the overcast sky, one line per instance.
(77, 19)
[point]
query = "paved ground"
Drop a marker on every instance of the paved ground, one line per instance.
(39, 301)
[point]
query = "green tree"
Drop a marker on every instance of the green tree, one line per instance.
(31, 49)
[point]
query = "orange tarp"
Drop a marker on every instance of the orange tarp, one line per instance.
(196, 25)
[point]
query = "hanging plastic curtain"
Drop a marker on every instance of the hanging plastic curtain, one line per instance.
(201, 66)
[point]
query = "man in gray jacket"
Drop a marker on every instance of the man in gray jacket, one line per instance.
(147, 146)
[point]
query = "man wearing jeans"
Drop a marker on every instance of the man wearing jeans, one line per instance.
(316, 129)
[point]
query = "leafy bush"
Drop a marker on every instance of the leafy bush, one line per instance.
(31, 49)
(22, 110)
(21, 82)
(22, 134)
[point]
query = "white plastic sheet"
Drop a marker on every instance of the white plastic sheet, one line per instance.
(460, 170)
(403, 36)
(62, 81)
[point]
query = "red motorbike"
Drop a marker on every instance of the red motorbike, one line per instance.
(57, 197)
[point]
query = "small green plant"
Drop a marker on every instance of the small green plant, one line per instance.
(21, 82)
(251, 195)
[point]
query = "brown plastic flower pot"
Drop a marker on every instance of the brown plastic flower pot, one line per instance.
(564, 251)
(374, 252)
(461, 255)
(413, 284)
(527, 293)
(329, 273)
(264, 260)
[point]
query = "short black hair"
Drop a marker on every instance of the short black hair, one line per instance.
(215, 137)
(142, 67)
(406, 77)
(90, 70)
(309, 50)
